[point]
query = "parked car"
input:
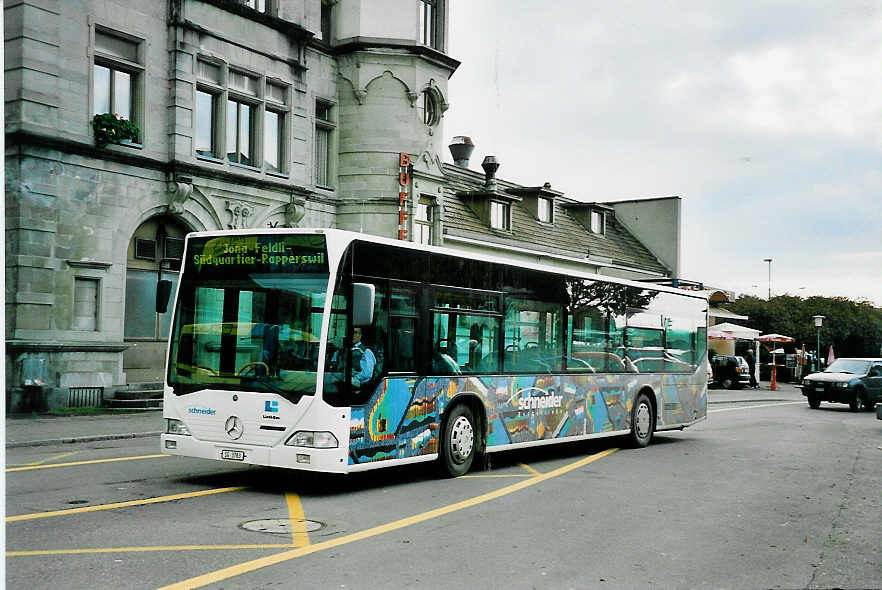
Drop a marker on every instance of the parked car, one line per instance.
(730, 372)
(853, 381)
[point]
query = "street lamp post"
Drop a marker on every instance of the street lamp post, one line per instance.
(819, 320)
(769, 261)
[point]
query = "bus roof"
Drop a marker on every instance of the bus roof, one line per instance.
(345, 237)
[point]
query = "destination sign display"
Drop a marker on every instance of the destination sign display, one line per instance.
(257, 254)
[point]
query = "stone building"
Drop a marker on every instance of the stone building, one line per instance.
(246, 114)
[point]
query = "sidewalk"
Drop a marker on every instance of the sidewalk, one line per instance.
(785, 392)
(27, 431)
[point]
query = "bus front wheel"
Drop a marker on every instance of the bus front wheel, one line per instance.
(642, 421)
(458, 442)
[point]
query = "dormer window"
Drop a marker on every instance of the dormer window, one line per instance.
(598, 222)
(500, 215)
(544, 210)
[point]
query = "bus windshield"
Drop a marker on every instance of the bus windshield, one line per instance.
(249, 314)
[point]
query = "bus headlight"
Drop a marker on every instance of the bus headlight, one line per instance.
(315, 440)
(176, 427)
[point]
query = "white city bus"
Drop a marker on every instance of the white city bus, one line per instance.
(269, 365)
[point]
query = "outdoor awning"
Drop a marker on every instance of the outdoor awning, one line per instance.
(742, 332)
(719, 312)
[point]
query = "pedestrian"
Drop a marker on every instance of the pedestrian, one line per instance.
(751, 366)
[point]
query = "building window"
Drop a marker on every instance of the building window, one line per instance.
(422, 221)
(324, 129)
(272, 148)
(544, 210)
(326, 20)
(85, 313)
(500, 215)
(206, 115)
(145, 249)
(597, 223)
(431, 23)
(429, 105)
(258, 5)
(240, 136)
(252, 130)
(117, 75)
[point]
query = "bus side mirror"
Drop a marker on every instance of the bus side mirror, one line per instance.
(362, 304)
(163, 292)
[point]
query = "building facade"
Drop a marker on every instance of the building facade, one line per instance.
(129, 124)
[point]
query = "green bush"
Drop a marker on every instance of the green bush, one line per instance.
(112, 128)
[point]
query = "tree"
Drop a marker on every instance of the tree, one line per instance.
(854, 328)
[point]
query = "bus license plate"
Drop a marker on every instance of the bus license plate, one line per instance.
(233, 455)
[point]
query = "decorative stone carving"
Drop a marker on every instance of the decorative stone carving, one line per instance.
(239, 213)
(178, 193)
(294, 212)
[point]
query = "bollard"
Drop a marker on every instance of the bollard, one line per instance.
(774, 385)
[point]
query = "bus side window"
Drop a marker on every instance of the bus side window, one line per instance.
(533, 336)
(444, 346)
(403, 323)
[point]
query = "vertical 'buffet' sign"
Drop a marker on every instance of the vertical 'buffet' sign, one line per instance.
(403, 183)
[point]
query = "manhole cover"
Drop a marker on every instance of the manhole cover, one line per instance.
(280, 526)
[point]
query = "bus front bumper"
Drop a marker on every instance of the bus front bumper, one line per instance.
(307, 459)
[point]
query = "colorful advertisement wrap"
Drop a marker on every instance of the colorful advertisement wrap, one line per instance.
(403, 417)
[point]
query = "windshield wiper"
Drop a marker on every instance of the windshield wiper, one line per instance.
(181, 389)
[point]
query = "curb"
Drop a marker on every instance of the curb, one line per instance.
(80, 439)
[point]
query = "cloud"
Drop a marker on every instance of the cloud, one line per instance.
(763, 116)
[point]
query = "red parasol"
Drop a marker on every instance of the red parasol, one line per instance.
(775, 338)
(720, 335)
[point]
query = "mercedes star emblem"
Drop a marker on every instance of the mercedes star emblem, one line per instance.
(234, 427)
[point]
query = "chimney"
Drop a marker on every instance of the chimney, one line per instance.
(461, 149)
(490, 166)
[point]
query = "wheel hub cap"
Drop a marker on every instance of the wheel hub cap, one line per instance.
(642, 420)
(462, 439)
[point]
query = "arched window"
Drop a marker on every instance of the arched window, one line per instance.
(155, 251)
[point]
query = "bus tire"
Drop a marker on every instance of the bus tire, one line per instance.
(642, 421)
(458, 441)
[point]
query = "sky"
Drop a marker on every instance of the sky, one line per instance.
(765, 117)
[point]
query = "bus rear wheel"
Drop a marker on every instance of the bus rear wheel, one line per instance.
(458, 441)
(642, 421)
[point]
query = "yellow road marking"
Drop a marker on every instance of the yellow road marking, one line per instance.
(32, 463)
(90, 462)
(145, 549)
(250, 566)
(299, 534)
(530, 469)
(100, 507)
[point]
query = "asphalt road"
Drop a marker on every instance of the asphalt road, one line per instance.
(761, 495)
